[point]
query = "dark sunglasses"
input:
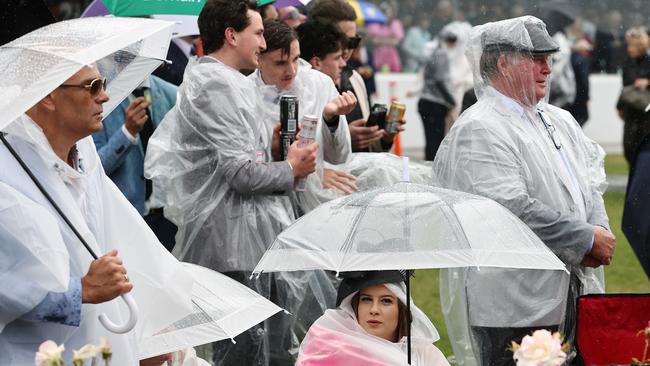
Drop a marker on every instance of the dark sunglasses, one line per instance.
(95, 87)
(353, 42)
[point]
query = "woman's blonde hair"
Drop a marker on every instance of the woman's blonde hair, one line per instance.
(637, 35)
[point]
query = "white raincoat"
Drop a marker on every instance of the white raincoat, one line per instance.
(313, 90)
(501, 149)
(40, 252)
(336, 338)
(212, 157)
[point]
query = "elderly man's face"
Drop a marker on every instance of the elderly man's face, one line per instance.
(526, 77)
(78, 112)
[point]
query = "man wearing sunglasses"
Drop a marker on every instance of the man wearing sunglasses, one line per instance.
(533, 158)
(364, 138)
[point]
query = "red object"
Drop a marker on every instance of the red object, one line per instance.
(610, 327)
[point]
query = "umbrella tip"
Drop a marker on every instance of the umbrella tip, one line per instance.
(405, 170)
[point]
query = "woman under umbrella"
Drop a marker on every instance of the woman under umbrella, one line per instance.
(369, 326)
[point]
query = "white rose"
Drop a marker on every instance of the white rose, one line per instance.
(85, 352)
(49, 354)
(540, 349)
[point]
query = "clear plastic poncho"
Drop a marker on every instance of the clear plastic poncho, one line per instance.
(211, 156)
(106, 220)
(534, 159)
(336, 338)
(313, 90)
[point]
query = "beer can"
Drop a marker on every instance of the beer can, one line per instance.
(308, 127)
(395, 116)
(289, 121)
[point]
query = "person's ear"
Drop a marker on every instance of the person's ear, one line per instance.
(230, 36)
(315, 63)
(47, 103)
(502, 64)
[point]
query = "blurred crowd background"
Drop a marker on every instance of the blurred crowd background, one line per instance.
(601, 24)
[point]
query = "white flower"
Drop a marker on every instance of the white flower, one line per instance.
(540, 349)
(49, 354)
(85, 352)
(105, 348)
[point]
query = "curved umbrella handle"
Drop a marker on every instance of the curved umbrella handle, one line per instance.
(130, 324)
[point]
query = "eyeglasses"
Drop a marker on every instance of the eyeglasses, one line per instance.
(353, 42)
(95, 87)
(550, 129)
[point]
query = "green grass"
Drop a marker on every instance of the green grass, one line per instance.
(616, 165)
(623, 276)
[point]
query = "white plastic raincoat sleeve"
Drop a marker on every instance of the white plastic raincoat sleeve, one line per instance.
(106, 220)
(336, 338)
(33, 257)
(532, 158)
(212, 157)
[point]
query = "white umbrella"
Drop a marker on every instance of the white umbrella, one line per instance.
(407, 226)
(186, 25)
(126, 51)
(217, 315)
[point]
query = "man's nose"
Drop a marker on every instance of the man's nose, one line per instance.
(263, 45)
(102, 97)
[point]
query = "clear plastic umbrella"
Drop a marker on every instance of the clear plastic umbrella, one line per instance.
(217, 315)
(407, 226)
(126, 51)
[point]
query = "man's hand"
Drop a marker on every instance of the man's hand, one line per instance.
(641, 83)
(157, 360)
(363, 136)
(106, 279)
(589, 261)
(604, 245)
(303, 160)
(341, 105)
(388, 137)
(341, 182)
(136, 115)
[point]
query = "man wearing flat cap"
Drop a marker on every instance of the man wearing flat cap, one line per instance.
(515, 148)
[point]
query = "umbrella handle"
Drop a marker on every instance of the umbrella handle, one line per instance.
(130, 324)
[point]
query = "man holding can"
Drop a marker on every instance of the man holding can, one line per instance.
(213, 156)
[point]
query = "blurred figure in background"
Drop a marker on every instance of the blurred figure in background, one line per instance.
(636, 74)
(267, 9)
(386, 38)
(415, 42)
(291, 16)
(436, 100)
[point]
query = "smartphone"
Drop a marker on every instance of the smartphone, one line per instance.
(377, 116)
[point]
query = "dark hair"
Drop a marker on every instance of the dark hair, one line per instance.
(262, 10)
(278, 36)
(332, 10)
(319, 39)
(403, 319)
(218, 15)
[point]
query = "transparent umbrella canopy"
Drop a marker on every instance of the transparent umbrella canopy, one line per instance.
(222, 309)
(407, 226)
(126, 50)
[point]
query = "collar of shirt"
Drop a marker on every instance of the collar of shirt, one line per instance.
(508, 102)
